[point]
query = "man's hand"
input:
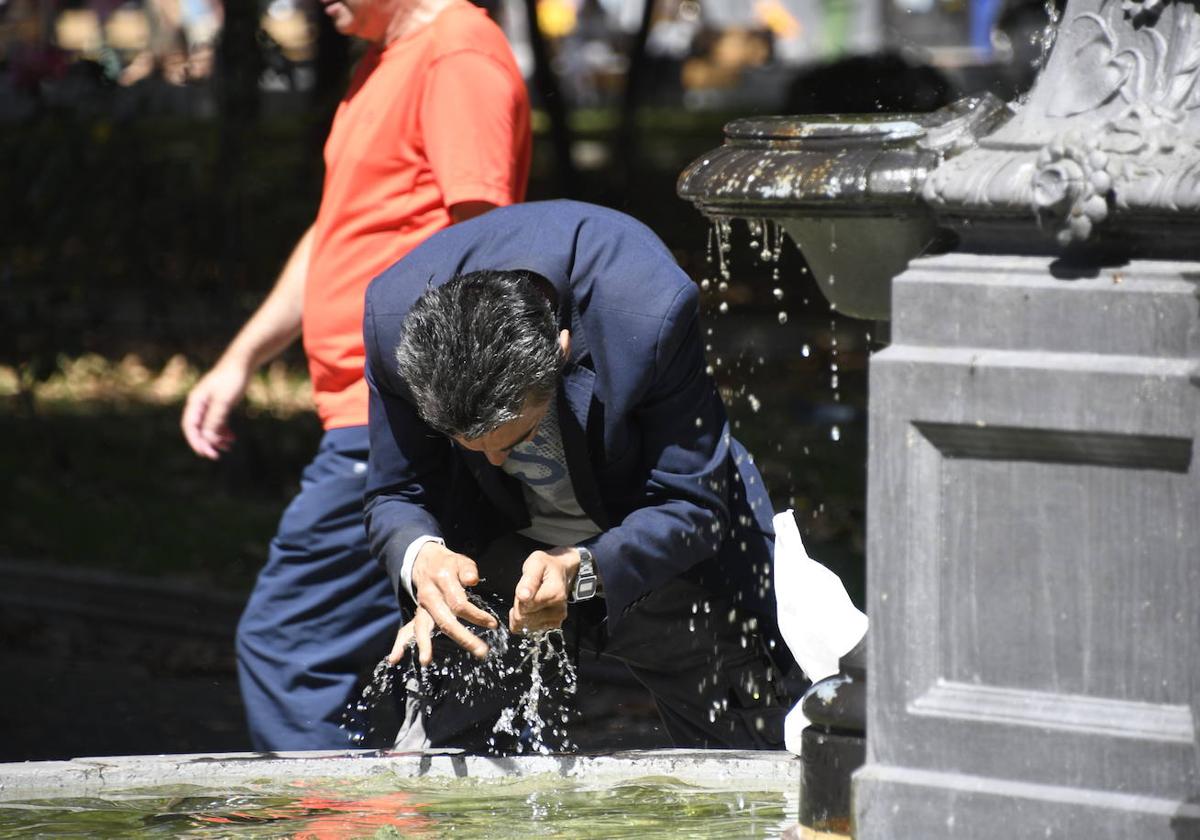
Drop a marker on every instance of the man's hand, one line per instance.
(540, 602)
(439, 576)
(205, 419)
(419, 629)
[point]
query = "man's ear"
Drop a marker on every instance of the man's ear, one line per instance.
(564, 344)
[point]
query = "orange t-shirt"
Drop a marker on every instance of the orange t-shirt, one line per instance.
(438, 118)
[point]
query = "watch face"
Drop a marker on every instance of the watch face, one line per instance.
(585, 587)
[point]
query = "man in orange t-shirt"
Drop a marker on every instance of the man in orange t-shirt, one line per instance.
(434, 129)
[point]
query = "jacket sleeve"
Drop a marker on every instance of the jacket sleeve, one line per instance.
(683, 515)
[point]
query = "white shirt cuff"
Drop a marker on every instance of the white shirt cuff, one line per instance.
(410, 557)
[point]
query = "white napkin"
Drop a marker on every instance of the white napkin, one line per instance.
(818, 620)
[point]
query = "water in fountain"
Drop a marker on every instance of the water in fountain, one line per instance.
(387, 806)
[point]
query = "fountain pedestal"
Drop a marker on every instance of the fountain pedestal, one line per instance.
(1034, 553)
(1033, 512)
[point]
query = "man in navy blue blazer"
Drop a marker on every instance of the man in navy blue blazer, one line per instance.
(543, 429)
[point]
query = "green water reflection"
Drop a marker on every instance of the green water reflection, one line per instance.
(544, 807)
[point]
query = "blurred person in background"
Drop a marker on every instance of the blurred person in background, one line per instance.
(182, 42)
(434, 129)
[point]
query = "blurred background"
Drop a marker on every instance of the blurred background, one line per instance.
(158, 160)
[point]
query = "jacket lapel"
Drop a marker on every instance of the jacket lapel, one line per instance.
(574, 406)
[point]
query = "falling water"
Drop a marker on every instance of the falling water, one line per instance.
(724, 246)
(833, 361)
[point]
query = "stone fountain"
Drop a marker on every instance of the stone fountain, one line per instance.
(1033, 507)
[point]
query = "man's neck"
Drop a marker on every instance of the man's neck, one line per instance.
(413, 16)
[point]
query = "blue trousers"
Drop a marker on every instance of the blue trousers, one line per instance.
(322, 612)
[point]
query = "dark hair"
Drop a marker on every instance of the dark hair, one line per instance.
(474, 350)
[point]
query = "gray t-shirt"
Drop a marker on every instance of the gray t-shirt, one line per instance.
(541, 466)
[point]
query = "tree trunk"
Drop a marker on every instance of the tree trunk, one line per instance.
(546, 84)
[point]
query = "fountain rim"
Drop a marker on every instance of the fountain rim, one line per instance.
(819, 129)
(95, 776)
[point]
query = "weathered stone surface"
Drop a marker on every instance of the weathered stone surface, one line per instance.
(1106, 152)
(1034, 553)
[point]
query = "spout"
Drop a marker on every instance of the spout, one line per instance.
(846, 188)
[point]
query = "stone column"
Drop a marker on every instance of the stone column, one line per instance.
(1034, 553)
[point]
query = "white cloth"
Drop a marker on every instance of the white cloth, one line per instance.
(817, 619)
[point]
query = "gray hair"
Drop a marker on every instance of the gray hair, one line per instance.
(475, 350)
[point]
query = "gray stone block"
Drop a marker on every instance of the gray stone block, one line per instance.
(1034, 554)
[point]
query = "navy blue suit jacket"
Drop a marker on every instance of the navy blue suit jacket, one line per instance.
(646, 437)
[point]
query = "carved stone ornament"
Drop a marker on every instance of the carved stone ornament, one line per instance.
(1109, 136)
(1103, 156)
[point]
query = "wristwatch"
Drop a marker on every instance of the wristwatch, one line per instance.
(587, 584)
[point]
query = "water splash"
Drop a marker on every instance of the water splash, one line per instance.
(535, 721)
(541, 652)
(357, 717)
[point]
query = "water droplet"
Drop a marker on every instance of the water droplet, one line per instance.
(778, 292)
(805, 351)
(755, 405)
(835, 433)
(722, 287)
(783, 317)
